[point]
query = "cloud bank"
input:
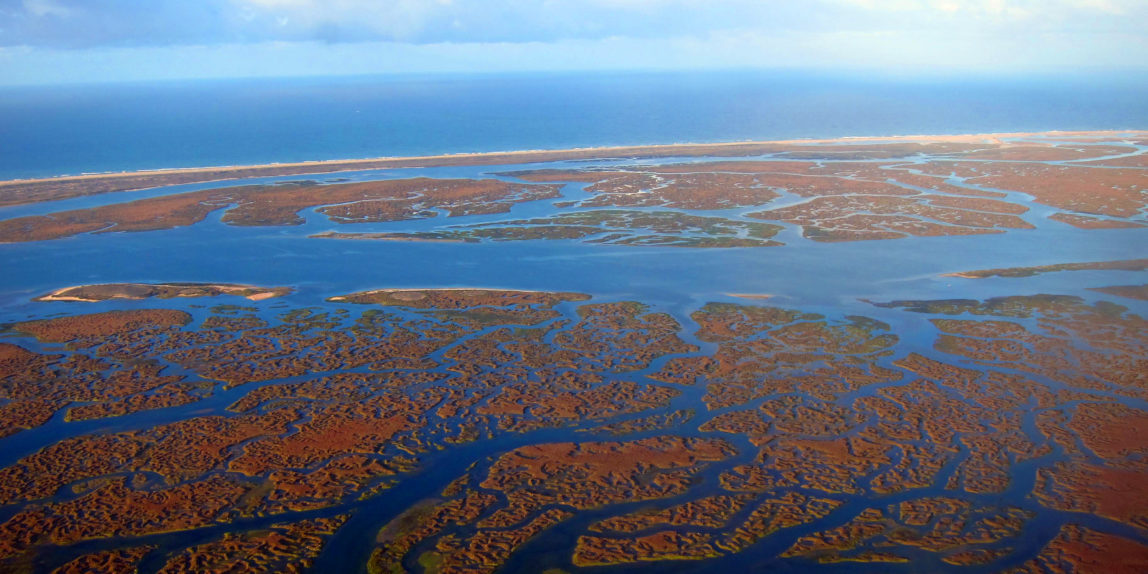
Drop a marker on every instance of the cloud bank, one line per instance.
(45, 39)
(119, 23)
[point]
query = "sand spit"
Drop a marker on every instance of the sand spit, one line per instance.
(751, 296)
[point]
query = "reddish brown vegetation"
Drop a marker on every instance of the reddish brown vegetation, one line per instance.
(573, 475)
(849, 201)
(1117, 360)
(663, 545)
(104, 292)
(1081, 550)
(283, 548)
(386, 200)
(459, 299)
(1091, 222)
(767, 350)
(1039, 379)
(106, 562)
(312, 443)
(1130, 291)
(1126, 265)
(705, 190)
(1114, 433)
(769, 516)
(31, 191)
(1044, 152)
(115, 509)
(36, 386)
(709, 512)
(1138, 160)
(939, 525)
(100, 325)
(854, 217)
(1111, 192)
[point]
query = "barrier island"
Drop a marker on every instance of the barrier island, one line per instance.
(846, 190)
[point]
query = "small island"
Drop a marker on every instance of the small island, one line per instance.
(138, 291)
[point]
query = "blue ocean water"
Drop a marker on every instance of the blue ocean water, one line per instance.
(47, 131)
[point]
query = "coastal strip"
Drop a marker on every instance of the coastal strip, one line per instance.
(25, 191)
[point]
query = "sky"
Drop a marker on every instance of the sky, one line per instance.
(79, 41)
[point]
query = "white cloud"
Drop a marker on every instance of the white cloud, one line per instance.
(335, 20)
(235, 37)
(40, 8)
(124, 23)
(1017, 9)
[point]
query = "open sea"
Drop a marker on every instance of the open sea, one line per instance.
(46, 131)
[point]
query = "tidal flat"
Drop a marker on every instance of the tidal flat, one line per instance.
(570, 363)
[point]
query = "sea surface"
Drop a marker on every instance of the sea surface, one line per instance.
(47, 131)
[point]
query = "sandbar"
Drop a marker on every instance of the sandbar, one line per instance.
(753, 296)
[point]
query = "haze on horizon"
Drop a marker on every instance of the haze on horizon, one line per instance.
(70, 41)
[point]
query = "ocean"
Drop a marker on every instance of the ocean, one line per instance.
(48, 131)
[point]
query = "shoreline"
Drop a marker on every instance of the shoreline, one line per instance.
(547, 155)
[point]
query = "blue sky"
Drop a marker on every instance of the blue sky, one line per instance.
(64, 41)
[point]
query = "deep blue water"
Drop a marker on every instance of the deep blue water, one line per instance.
(47, 131)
